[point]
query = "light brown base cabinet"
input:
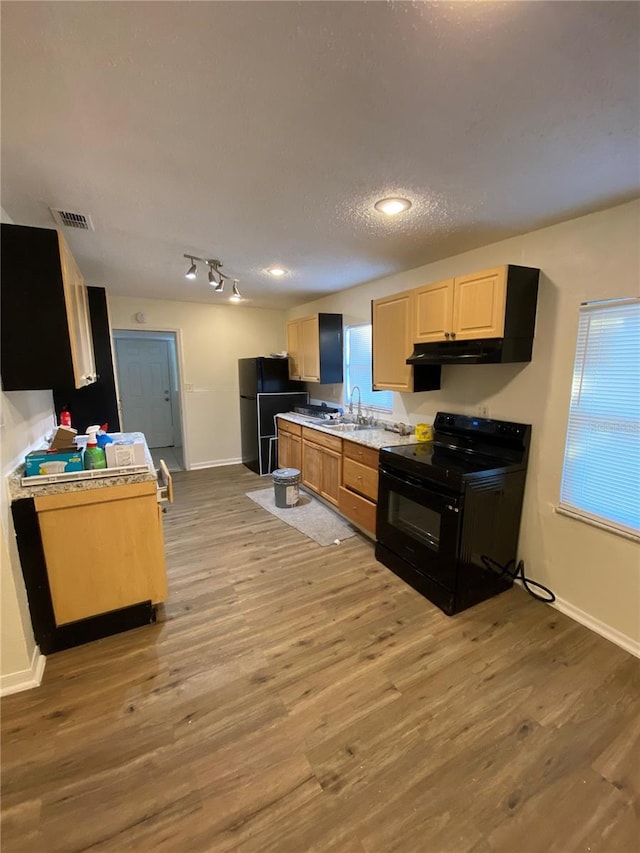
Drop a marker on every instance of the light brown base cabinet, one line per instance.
(322, 463)
(103, 549)
(289, 445)
(343, 472)
(359, 490)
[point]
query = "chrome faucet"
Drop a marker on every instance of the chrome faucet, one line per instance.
(353, 391)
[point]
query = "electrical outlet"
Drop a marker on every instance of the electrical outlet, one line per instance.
(482, 410)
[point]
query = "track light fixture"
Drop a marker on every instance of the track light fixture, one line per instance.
(192, 269)
(216, 277)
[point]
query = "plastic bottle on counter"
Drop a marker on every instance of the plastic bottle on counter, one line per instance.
(65, 417)
(94, 456)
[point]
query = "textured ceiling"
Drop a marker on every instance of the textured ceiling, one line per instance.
(262, 132)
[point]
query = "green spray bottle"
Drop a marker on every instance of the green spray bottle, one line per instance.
(94, 456)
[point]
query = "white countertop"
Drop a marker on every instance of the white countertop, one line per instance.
(17, 491)
(375, 438)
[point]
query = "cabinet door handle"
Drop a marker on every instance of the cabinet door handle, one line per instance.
(446, 334)
(453, 334)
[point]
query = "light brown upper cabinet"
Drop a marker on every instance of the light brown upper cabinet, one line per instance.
(315, 348)
(467, 307)
(77, 302)
(293, 348)
(46, 331)
(392, 320)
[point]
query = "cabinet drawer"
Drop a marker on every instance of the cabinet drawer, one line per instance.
(359, 510)
(359, 453)
(288, 426)
(331, 442)
(360, 478)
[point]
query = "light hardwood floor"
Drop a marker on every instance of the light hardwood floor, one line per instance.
(300, 698)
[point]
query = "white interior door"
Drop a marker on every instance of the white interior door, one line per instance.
(145, 389)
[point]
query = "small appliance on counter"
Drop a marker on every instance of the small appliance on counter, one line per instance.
(322, 412)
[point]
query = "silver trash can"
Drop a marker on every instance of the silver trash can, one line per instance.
(286, 482)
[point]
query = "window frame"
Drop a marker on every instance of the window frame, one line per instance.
(375, 407)
(578, 415)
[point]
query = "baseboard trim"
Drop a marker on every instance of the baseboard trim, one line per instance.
(24, 679)
(218, 463)
(627, 643)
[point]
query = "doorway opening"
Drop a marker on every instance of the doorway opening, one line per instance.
(149, 391)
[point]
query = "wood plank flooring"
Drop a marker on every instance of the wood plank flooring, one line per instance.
(299, 698)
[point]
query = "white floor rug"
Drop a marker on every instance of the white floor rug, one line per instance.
(310, 517)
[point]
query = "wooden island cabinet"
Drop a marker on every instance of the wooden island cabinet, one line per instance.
(103, 548)
(92, 553)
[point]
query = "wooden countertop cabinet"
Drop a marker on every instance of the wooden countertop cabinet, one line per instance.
(322, 463)
(46, 331)
(103, 549)
(359, 491)
(289, 445)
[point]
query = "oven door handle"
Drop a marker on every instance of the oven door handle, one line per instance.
(450, 501)
(406, 479)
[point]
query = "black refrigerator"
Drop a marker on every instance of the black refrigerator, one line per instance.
(265, 391)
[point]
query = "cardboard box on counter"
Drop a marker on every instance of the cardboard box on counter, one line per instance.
(40, 462)
(63, 438)
(121, 454)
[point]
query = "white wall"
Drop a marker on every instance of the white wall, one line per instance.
(594, 257)
(27, 416)
(211, 339)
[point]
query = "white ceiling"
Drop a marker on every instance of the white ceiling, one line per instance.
(262, 132)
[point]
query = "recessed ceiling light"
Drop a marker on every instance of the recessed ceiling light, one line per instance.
(276, 272)
(392, 206)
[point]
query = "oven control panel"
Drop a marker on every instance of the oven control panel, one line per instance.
(480, 426)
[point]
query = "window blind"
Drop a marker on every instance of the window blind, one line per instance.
(601, 472)
(357, 368)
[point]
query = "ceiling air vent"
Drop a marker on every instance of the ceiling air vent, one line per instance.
(72, 220)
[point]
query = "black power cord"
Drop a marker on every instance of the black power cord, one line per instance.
(547, 596)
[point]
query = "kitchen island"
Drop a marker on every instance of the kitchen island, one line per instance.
(92, 554)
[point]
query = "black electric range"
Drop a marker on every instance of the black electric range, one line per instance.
(449, 510)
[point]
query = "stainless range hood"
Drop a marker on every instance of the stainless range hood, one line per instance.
(480, 351)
